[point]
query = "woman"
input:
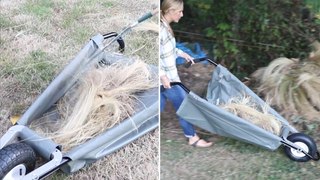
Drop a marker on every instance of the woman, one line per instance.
(172, 11)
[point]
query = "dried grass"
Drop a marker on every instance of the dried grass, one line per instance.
(102, 98)
(245, 108)
(310, 83)
(293, 85)
(277, 67)
(269, 77)
(315, 54)
(148, 26)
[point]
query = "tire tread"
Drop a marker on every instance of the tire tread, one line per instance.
(15, 154)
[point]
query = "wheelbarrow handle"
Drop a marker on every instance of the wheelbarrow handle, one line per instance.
(129, 27)
(119, 40)
(187, 65)
(176, 84)
(196, 60)
(148, 15)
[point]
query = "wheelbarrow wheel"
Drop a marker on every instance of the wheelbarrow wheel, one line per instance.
(305, 142)
(16, 160)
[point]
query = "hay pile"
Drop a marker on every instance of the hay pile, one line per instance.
(101, 99)
(245, 108)
(293, 85)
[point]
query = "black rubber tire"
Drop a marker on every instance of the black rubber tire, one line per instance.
(305, 139)
(14, 155)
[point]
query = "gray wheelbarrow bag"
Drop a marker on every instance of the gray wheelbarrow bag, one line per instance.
(207, 115)
(144, 120)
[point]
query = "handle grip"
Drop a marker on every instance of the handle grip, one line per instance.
(162, 89)
(147, 15)
(119, 40)
(188, 64)
(144, 17)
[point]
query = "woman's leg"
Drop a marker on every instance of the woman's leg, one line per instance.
(176, 95)
(163, 99)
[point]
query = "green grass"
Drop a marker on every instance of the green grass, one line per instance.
(2, 42)
(81, 35)
(5, 22)
(71, 17)
(107, 4)
(239, 146)
(177, 151)
(88, 3)
(78, 11)
(32, 73)
(40, 8)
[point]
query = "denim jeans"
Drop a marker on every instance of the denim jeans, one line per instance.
(176, 95)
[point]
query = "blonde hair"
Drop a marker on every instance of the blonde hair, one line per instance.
(166, 6)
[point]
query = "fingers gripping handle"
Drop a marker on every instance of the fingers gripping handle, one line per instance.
(188, 64)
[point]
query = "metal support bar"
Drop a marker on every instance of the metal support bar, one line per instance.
(10, 135)
(48, 168)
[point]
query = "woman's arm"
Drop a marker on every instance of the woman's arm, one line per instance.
(184, 55)
(165, 81)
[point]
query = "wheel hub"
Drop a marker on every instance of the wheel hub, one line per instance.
(16, 173)
(298, 153)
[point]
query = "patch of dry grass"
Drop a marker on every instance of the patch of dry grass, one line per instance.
(245, 108)
(293, 85)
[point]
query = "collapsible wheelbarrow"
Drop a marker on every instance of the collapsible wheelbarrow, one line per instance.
(206, 114)
(20, 143)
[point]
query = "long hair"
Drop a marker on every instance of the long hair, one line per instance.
(166, 6)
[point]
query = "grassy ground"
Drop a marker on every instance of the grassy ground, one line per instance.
(227, 159)
(39, 37)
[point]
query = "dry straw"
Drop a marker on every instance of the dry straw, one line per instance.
(102, 98)
(293, 85)
(148, 26)
(245, 108)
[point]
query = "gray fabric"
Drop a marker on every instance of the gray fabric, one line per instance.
(144, 120)
(207, 115)
(113, 139)
(42, 146)
(64, 81)
(224, 85)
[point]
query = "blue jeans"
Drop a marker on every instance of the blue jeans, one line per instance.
(176, 95)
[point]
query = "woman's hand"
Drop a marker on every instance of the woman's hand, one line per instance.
(187, 57)
(165, 81)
